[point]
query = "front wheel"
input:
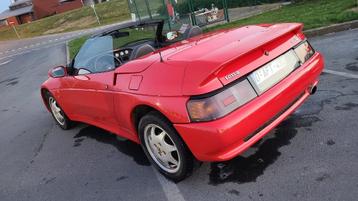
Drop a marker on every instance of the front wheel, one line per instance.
(58, 114)
(163, 146)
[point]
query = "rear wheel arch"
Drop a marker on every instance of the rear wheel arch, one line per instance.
(140, 111)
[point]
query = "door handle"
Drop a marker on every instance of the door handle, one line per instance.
(106, 87)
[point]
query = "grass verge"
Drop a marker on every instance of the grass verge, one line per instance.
(313, 13)
(108, 12)
(75, 45)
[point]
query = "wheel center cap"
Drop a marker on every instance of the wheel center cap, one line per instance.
(159, 150)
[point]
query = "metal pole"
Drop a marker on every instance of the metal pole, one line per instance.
(136, 10)
(17, 34)
(94, 10)
(226, 11)
(168, 17)
(192, 14)
(148, 9)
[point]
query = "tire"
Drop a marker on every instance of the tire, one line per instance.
(164, 147)
(60, 117)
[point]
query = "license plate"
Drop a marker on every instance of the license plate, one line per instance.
(273, 72)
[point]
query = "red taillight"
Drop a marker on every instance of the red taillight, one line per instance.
(222, 103)
(229, 100)
(304, 51)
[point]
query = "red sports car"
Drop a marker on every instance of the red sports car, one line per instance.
(183, 95)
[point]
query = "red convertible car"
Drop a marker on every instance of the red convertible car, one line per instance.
(185, 96)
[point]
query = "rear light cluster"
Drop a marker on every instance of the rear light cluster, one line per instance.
(304, 51)
(221, 104)
(216, 105)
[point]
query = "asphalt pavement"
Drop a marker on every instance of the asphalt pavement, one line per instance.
(18, 47)
(310, 156)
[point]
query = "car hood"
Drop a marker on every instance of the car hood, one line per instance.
(210, 58)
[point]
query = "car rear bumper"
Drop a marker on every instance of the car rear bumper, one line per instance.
(225, 138)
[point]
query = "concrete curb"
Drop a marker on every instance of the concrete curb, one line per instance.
(331, 29)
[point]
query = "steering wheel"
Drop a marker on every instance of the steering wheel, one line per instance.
(105, 63)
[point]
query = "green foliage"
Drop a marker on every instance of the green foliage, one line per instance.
(108, 12)
(312, 13)
(75, 45)
(183, 7)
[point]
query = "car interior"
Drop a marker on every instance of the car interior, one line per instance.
(129, 44)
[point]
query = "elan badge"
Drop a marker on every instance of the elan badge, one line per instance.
(232, 75)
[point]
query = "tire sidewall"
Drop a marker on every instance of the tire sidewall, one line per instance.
(186, 164)
(67, 121)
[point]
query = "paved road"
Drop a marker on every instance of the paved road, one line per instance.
(18, 47)
(311, 156)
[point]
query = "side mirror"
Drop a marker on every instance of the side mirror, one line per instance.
(57, 72)
(83, 71)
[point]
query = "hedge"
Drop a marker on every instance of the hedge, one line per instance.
(183, 8)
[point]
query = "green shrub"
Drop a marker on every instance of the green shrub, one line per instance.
(183, 8)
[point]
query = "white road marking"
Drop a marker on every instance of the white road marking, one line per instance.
(343, 74)
(5, 62)
(47, 44)
(170, 189)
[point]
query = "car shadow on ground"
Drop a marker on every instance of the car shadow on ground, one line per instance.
(247, 169)
(239, 170)
(126, 147)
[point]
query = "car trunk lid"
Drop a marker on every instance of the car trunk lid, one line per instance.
(216, 60)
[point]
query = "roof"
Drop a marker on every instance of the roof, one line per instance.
(19, 2)
(10, 13)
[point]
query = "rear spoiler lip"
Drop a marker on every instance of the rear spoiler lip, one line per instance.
(296, 29)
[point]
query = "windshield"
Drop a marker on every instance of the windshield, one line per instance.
(110, 50)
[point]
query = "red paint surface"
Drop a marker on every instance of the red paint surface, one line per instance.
(194, 67)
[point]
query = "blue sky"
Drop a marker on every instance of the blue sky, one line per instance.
(4, 5)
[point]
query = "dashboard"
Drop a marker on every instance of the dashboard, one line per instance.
(111, 60)
(124, 54)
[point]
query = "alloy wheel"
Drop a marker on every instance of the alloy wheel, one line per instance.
(162, 148)
(56, 111)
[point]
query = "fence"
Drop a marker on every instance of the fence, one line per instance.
(195, 12)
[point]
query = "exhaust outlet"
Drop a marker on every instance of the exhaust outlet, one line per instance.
(313, 89)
